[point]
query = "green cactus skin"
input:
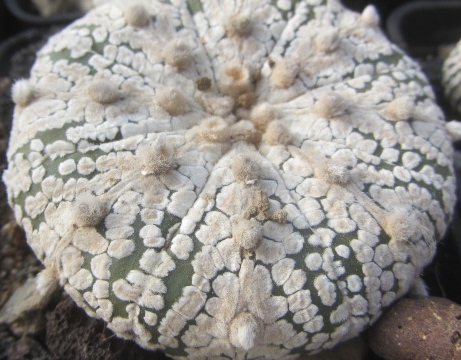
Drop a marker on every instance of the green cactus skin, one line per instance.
(230, 180)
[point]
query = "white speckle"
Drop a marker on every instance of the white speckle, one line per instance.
(276, 231)
(89, 240)
(269, 252)
(120, 249)
(156, 263)
(358, 305)
(181, 202)
(387, 280)
(100, 266)
(101, 289)
(314, 325)
(354, 283)
(342, 225)
(305, 315)
(217, 227)
(282, 270)
(86, 166)
(340, 314)
(191, 301)
(410, 160)
(383, 256)
(181, 246)
(152, 236)
(71, 261)
(35, 205)
(343, 251)
(38, 174)
(91, 299)
(295, 282)
(299, 300)
(150, 318)
(81, 280)
(363, 252)
(314, 261)
(371, 270)
(293, 243)
(37, 145)
(326, 290)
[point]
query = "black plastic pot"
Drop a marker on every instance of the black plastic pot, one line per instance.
(421, 27)
(384, 7)
(27, 41)
(9, 25)
(28, 15)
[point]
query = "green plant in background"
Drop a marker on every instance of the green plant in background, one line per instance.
(257, 179)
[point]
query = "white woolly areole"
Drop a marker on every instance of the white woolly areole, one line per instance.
(247, 234)
(215, 179)
(172, 100)
(89, 210)
(370, 16)
(234, 79)
(244, 330)
(177, 54)
(238, 25)
(137, 15)
(23, 92)
(103, 92)
(454, 129)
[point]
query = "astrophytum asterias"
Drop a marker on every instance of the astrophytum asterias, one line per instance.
(220, 179)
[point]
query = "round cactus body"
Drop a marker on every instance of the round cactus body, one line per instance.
(221, 180)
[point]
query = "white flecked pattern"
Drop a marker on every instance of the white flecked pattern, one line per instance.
(451, 78)
(239, 179)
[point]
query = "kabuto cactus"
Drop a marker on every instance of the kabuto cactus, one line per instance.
(220, 180)
(451, 79)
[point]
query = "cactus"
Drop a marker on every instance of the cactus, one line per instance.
(451, 77)
(257, 179)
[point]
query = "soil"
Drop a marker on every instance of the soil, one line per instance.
(63, 331)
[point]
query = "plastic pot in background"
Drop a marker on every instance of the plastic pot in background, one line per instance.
(9, 25)
(384, 7)
(28, 15)
(21, 49)
(421, 28)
